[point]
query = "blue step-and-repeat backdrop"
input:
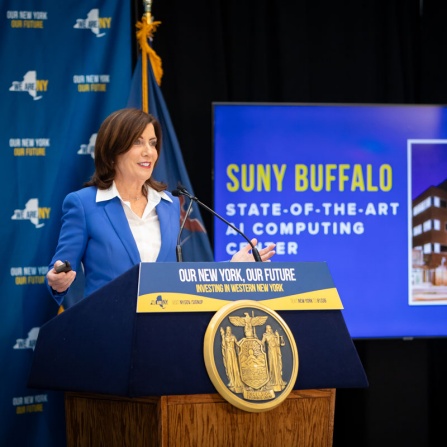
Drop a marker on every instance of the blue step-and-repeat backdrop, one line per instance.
(66, 65)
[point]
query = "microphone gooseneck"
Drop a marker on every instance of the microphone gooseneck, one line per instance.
(182, 191)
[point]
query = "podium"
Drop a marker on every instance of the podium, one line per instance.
(139, 379)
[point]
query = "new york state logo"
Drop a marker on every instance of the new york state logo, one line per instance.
(250, 356)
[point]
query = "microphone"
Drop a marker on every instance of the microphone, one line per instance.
(181, 190)
(178, 248)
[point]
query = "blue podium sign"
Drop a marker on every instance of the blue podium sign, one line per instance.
(203, 287)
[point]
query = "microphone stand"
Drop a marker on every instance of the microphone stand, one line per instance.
(183, 191)
(178, 248)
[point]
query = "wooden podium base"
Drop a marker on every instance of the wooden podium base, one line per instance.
(305, 418)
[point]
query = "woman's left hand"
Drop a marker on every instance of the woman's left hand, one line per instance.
(245, 255)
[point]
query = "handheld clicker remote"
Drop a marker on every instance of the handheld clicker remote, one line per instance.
(64, 267)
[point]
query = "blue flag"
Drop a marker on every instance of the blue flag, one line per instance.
(171, 169)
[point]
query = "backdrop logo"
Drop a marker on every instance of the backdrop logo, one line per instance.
(32, 212)
(30, 84)
(29, 147)
(88, 149)
(29, 342)
(91, 82)
(28, 274)
(94, 23)
(27, 19)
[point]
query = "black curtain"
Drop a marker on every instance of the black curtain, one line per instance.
(317, 51)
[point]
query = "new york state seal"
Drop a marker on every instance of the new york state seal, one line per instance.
(250, 356)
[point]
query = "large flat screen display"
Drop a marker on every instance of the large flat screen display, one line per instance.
(361, 187)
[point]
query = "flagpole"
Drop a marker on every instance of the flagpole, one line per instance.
(144, 77)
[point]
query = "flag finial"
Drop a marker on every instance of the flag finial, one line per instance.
(147, 9)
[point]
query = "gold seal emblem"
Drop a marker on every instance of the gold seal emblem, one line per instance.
(250, 356)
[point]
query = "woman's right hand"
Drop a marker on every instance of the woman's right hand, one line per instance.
(60, 282)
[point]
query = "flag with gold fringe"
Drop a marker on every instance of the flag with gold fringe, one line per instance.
(145, 93)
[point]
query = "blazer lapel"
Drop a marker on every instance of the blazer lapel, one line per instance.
(168, 229)
(118, 220)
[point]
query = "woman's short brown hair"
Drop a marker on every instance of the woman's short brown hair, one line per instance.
(117, 134)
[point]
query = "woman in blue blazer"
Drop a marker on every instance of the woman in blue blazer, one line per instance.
(122, 216)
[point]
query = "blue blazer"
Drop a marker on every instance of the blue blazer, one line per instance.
(98, 235)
